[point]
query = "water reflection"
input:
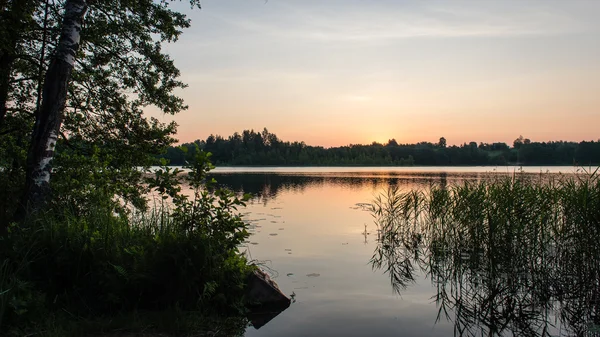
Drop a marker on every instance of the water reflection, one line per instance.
(266, 186)
(322, 229)
(505, 271)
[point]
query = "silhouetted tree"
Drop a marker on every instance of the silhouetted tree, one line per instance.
(518, 142)
(442, 142)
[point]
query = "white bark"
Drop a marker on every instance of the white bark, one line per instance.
(51, 143)
(71, 31)
(44, 165)
(44, 177)
(50, 117)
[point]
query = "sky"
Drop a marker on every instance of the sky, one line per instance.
(334, 73)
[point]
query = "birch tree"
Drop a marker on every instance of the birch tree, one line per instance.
(96, 118)
(50, 117)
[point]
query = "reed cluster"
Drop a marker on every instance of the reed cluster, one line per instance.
(516, 254)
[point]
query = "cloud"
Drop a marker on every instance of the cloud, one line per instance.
(354, 22)
(245, 75)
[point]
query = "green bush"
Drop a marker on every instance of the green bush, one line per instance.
(182, 254)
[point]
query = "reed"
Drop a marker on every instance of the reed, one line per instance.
(511, 254)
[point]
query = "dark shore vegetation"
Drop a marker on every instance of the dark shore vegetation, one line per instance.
(265, 148)
(82, 251)
(509, 256)
(73, 271)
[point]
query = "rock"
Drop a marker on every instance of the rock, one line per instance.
(261, 290)
(265, 300)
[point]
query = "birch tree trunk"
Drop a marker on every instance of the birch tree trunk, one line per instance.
(51, 113)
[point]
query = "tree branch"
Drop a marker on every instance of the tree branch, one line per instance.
(16, 80)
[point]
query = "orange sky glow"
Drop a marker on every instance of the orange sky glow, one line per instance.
(334, 73)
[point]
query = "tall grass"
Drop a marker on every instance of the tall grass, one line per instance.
(516, 255)
(84, 264)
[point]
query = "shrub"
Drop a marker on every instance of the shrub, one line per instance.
(182, 254)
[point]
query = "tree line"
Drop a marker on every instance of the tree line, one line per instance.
(265, 148)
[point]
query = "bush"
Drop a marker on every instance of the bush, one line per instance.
(181, 254)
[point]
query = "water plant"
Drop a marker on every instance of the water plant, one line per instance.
(511, 255)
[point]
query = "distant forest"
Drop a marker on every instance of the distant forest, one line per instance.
(264, 148)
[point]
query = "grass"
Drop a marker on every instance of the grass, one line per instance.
(171, 270)
(515, 254)
(149, 323)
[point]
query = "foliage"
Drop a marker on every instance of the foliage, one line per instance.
(97, 249)
(265, 148)
(181, 254)
(171, 322)
(120, 70)
(507, 256)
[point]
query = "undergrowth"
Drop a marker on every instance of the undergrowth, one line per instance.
(180, 258)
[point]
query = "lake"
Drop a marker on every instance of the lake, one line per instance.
(312, 233)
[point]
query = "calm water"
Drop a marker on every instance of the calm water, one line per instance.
(309, 231)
